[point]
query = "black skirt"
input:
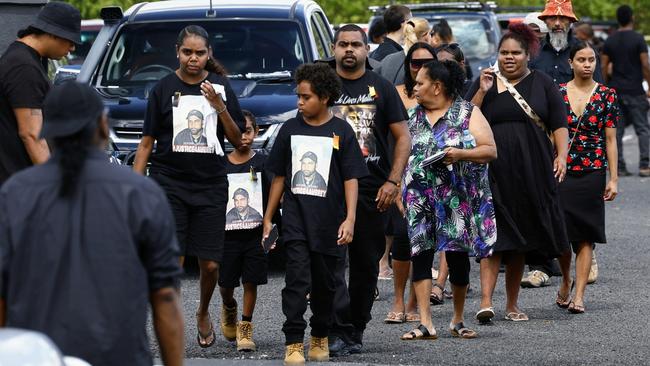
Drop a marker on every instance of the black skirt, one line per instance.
(584, 206)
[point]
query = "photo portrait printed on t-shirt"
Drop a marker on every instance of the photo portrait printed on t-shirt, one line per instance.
(195, 126)
(244, 209)
(361, 117)
(310, 164)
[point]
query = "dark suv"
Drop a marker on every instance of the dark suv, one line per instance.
(474, 25)
(260, 43)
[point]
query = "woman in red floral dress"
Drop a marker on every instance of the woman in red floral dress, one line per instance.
(593, 113)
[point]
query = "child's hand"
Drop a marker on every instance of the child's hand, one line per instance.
(346, 232)
(266, 231)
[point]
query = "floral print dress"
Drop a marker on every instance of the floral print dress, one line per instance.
(448, 208)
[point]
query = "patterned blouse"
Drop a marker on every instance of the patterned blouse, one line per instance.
(449, 208)
(588, 151)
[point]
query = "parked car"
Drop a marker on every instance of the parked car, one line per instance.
(507, 15)
(259, 42)
(474, 25)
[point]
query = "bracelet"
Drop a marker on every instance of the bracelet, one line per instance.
(223, 110)
(395, 183)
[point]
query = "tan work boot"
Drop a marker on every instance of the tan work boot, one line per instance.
(229, 322)
(245, 336)
(593, 271)
(318, 349)
(294, 354)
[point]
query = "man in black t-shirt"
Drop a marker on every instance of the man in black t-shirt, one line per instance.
(628, 52)
(371, 105)
(193, 134)
(24, 84)
(242, 212)
(307, 176)
(395, 18)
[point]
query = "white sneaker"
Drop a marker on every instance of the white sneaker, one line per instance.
(536, 279)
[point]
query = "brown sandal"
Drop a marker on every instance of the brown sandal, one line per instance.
(564, 301)
(421, 332)
(576, 309)
(461, 331)
(436, 299)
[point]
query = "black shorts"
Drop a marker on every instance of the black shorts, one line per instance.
(245, 260)
(401, 249)
(200, 214)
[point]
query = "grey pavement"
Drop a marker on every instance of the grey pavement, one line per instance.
(613, 331)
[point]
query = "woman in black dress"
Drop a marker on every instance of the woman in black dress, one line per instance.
(191, 171)
(593, 113)
(524, 178)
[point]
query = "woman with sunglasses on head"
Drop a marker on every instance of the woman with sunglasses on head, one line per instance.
(593, 115)
(525, 110)
(187, 119)
(448, 202)
(392, 66)
(419, 54)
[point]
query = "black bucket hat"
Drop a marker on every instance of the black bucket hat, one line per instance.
(60, 19)
(68, 108)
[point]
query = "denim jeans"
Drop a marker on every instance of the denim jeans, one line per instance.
(634, 110)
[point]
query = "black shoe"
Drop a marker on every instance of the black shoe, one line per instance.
(623, 172)
(354, 348)
(338, 347)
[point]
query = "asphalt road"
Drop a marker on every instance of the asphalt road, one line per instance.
(614, 329)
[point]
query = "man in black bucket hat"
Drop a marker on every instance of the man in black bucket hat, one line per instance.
(24, 84)
(87, 246)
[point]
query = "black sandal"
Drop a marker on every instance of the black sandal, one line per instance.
(436, 299)
(201, 340)
(461, 331)
(576, 309)
(421, 332)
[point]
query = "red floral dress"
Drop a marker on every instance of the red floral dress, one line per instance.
(589, 151)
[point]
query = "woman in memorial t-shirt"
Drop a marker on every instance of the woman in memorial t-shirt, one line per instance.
(188, 114)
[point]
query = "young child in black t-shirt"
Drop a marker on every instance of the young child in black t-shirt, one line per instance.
(243, 257)
(316, 160)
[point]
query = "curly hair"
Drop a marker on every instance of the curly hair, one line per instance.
(324, 81)
(524, 35)
(449, 73)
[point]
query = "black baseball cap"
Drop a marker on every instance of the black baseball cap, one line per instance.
(68, 108)
(60, 19)
(309, 155)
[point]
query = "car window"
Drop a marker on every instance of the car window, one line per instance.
(320, 44)
(142, 53)
(473, 34)
(81, 51)
(325, 31)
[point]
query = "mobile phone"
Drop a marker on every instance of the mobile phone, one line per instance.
(268, 242)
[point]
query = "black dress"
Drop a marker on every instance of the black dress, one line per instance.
(525, 192)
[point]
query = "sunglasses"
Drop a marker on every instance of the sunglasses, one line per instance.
(418, 63)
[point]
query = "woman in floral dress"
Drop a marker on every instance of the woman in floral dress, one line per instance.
(593, 113)
(448, 203)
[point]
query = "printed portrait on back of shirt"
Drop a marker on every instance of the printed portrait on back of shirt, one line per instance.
(195, 126)
(244, 209)
(361, 118)
(311, 157)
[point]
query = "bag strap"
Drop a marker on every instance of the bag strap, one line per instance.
(522, 103)
(580, 117)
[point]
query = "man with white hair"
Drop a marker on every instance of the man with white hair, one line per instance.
(553, 58)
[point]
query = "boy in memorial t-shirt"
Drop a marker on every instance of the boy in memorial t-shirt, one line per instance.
(317, 161)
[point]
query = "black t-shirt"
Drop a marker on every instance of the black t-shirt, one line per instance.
(624, 49)
(306, 156)
(159, 123)
(255, 165)
(23, 84)
(370, 104)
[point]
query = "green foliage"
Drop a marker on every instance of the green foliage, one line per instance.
(356, 11)
(90, 9)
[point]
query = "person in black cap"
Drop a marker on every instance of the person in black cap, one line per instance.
(24, 84)
(242, 211)
(193, 134)
(307, 176)
(85, 245)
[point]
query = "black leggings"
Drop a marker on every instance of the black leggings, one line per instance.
(458, 263)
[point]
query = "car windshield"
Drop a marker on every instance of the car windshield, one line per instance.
(473, 34)
(144, 53)
(77, 56)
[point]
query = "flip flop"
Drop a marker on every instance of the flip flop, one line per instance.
(516, 317)
(576, 309)
(436, 299)
(412, 317)
(461, 331)
(564, 301)
(394, 317)
(202, 340)
(421, 332)
(485, 315)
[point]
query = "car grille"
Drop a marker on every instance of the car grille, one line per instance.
(134, 133)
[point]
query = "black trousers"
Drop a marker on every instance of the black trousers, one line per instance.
(353, 303)
(307, 272)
